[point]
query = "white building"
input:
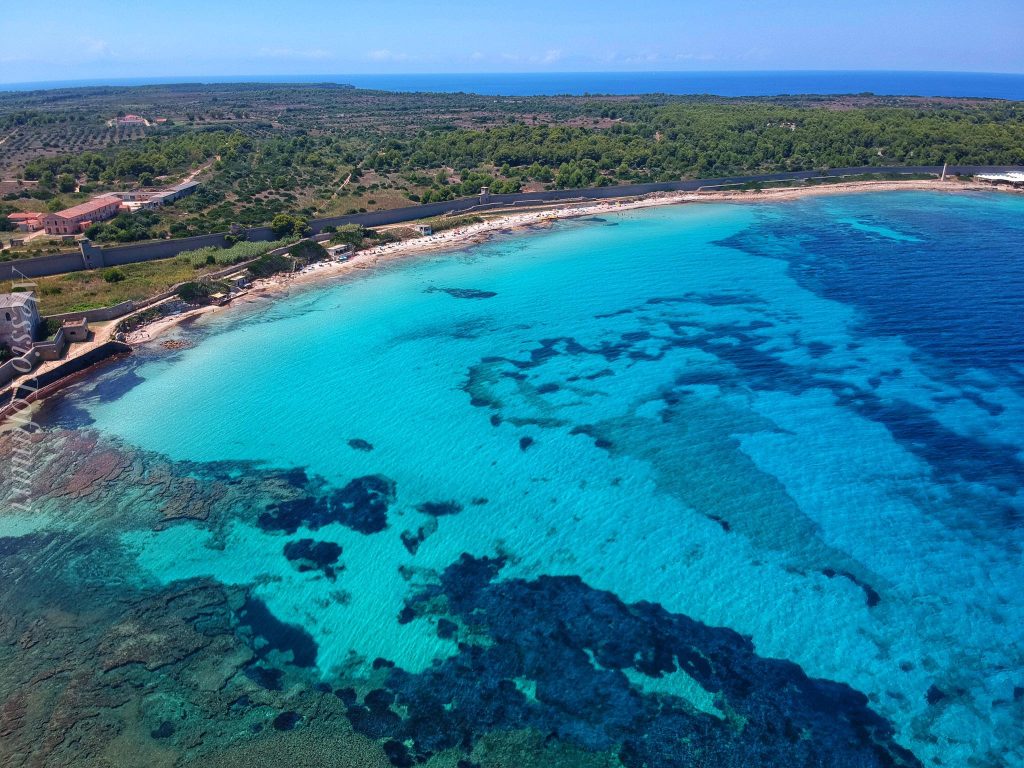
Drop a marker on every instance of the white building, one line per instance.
(19, 320)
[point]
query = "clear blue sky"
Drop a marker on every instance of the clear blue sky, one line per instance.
(61, 40)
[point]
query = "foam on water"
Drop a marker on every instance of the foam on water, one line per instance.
(707, 407)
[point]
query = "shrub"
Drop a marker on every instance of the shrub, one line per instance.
(268, 265)
(350, 234)
(114, 276)
(309, 251)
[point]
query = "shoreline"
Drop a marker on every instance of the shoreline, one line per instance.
(505, 221)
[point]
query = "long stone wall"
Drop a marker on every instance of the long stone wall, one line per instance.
(40, 266)
(129, 254)
(48, 382)
(10, 370)
(96, 315)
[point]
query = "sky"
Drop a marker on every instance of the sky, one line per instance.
(64, 40)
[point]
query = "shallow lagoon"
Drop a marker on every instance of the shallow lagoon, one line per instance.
(802, 422)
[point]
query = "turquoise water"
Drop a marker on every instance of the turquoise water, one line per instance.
(800, 421)
(974, 84)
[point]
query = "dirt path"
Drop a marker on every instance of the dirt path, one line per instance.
(205, 167)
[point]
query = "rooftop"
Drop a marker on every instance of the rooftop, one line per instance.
(88, 207)
(21, 299)
(182, 186)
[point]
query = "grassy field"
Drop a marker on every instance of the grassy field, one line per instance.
(79, 291)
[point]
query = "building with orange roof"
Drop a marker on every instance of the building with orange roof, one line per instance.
(73, 220)
(26, 222)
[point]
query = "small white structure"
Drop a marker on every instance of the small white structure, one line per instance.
(76, 330)
(340, 252)
(424, 230)
(238, 280)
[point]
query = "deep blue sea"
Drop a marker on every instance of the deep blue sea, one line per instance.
(971, 84)
(715, 484)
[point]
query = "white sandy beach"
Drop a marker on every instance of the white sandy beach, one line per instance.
(509, 220)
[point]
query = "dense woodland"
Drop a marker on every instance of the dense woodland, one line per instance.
(326, 150)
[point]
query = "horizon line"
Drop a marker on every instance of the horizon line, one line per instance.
(103, 80)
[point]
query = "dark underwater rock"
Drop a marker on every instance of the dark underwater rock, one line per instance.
(361, 505)
(286, 721)
(871, 596)
(525, 442)
(267, 678)
(574, 642)
(463, 293)
(310, 555)
(722, 522)
(288, 516)
(440, 508)
(358, 444)
(411, 541)
(164, 731)
(276, 635)
(398, 755)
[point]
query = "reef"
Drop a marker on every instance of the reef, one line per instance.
(361, 505)
(439, 508)
(309, 555)
(551, 655)
(463, 293)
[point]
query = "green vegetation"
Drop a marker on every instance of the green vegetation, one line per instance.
(358, 236)
(114, 276)
(126, 228)
(281, 155)
(200, 291)
(351, 234)
(77, 291)
(302, 253)
(285, 225)
(270, 264)
(442, 223)
(308, 252)
(239, 252)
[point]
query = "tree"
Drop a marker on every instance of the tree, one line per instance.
(285, 225)
(66, 183)
(193, 293)
(349, 234)
(309, 251)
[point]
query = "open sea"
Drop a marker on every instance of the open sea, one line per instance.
(763, 83)
(709, 485)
